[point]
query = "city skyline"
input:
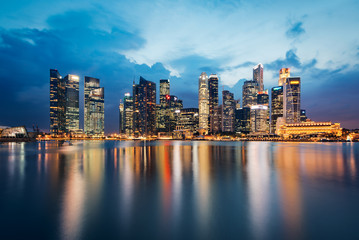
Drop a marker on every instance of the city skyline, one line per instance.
(303, 39)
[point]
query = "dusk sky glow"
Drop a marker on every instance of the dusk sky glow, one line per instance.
(117, 41)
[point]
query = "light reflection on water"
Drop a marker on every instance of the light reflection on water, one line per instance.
(179, 189)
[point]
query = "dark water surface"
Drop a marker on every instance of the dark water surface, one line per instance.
(179, 190)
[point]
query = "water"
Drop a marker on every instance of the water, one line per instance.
(179, 190)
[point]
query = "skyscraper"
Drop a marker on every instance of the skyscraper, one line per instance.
(163, 110)
(121, 120)
(94, 111)
(284, 73)
(203, 103)
(259, 119)
(276, 106)
(212, 98)
(128, 114)
(249, 95)
(229, 106)
(72, 110)
(144, 108)
(243, 116)
(292, 100)
(57, 103)
(258, 76)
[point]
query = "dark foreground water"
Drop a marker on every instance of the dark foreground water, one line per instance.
(179, 190)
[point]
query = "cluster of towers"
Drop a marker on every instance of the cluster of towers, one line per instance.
(141, 116)
(258, 115)
(64, 105)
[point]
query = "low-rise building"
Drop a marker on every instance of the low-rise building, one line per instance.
(309, 128)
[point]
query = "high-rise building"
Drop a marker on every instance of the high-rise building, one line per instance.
(303, 115)
(175, 105)
(57, 103)
(242, 120)
(188, 120)
(229, 106)
(276, 107)
(217, 120)
(203, 103)
(292, 100)
(212, 98)
(258, 76)
(136, 111)
(128, 114)
(94, 109)
(144, 108)
(249, 94)
(72, 110)
(284, 73)
(163, 109)
(259, 119)
(121, 125)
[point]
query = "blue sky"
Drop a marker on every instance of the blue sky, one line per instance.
(118, 41)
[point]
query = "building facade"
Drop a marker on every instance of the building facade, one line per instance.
(259, 119)
(72, 111)
(212, 98)
(144, 120)
(249, 93)
(276, 107)
(258, 76)
(229, 106)
(284, 73)
(292, 100)
(57, 103)
(128, 114)
(163, 112)
(203, 103)
(310, 128)
(94, 108)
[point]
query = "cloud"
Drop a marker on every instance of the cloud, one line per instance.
(296, 29)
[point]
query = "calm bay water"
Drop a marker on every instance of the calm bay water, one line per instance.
(179, 190)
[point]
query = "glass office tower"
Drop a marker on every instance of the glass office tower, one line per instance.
(94, 111)
(57, 103)
(72, 111)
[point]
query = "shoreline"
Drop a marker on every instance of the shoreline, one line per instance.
(18, 140)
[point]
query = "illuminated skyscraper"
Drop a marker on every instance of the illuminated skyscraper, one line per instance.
(276, 107)
(292, 100)
(188, 120)
(217, 120)
(144, 108)
(229, 106)
(164, 110)
(128, 114)
(258, 76)
(57, 103)
(121, 120)
(259, 119)
(212, 98)
(72, 110)
(242, 122)
(284, 73)
(203, 103)
(249, 95)
(94, 109)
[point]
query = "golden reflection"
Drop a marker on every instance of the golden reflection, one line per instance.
(288, 164)
(73, 200)
(177, 179)
(258, 170)
(202, 182)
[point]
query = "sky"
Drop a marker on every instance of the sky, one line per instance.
(119, 41)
